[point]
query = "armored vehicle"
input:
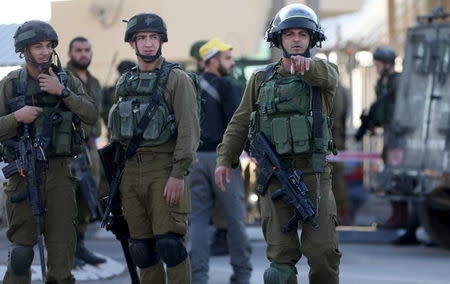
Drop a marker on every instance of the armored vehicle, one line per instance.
(418, 159)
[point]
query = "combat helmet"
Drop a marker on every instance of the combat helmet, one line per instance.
(32, 32)
(384, 54)
(295, 16)
(195, 49)
(146, 22)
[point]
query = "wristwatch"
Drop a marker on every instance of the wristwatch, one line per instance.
(65, 93)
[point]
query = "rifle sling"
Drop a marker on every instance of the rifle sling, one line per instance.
(318, 158)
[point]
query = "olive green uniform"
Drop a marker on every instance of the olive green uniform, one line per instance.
(340, 108)
(93, 89)
(57, 187)
(285, 249)
(146, 173)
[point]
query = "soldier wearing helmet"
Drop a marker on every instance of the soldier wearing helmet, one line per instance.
(154, 191)
(277, 102)
(195, 53)
(52, 113)
(380, 115)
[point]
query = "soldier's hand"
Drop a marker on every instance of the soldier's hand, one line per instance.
(218, 176)
(50, 83)
(299, 64)
(27, 114)
(173, 191)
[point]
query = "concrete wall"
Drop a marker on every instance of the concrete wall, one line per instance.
(240, 23)
(187, 21)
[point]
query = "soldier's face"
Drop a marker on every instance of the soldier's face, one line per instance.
(147, 43)
(382, 67)
(41, 51)
(226, 63)
(81, 53)
(295, 40)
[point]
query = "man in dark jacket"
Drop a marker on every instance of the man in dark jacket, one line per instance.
(221, 100)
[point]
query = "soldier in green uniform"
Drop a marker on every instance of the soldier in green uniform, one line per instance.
(154, 192)
(380, 115)
(80, 54)
(277, 102)
(195, 53)
(36, 40)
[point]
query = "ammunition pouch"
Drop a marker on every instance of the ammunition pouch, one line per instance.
(124, 118)
(293, 134)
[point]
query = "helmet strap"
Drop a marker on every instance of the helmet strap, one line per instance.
(42, 67)
(289, 55)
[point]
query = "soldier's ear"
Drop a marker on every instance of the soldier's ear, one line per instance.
(132, 44)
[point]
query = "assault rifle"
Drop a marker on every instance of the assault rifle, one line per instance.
(293, 190)
(81, 168)
(112, 157)
(31, 156)
(368, 118)
(365, 125)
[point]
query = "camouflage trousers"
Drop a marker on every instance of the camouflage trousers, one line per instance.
(147, 213)
(58, 223)
(319, 246)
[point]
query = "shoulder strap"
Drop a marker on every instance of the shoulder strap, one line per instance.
(316, 111)
(20, 83)
(209, 89)
(150, 111)
(269, 71)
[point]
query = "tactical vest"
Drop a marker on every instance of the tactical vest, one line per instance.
(136, 92)
(284, 114)
(56, 122)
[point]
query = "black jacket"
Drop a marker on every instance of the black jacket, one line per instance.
(217, 110)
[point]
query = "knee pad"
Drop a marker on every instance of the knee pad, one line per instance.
(20, 259)
(171, 249)
(278, 273)
(143, 252)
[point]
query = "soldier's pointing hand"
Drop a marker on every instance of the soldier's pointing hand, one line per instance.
(299, 64)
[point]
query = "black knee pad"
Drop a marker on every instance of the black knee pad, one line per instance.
(171, 249)
(143, 252)
(20, 259)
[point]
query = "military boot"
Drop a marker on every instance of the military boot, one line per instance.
(84, 254)
(279, 273)
(399, 217)
(77, 263)
(219, 245)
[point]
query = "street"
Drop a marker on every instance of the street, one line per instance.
(362, 262)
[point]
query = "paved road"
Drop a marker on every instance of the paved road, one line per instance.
(361, 263)
(367, 258)
(367, 263)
